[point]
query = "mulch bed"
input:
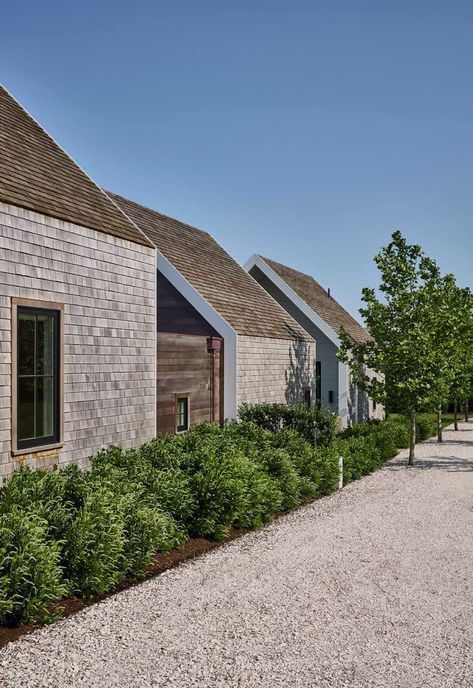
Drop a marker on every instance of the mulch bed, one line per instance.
(192, 548)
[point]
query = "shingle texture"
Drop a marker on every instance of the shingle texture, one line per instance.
(317, 298)
(108, 288)
(35, 173)
(222, 282)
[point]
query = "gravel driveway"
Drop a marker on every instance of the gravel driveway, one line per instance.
(372, 586)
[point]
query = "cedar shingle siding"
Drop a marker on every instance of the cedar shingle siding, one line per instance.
(36, 173)
(63, 240)
(107, 286)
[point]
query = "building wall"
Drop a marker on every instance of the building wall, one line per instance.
(107, 286)
(184, 367)
(274, 370)
(326, 350)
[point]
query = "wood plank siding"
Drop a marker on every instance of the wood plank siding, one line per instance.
(189, 361)
(184, 366)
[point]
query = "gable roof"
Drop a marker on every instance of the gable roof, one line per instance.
(222, 282)
(35, 173)
(318, 299)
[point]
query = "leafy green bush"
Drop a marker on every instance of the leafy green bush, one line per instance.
(228, 488)
(30, 574)
(100, 526)
(426, 426)
(46, 493)
(316, 426)
(146, 530)
(399, 426)
(94, 544)
(277, 464)
(361, 456)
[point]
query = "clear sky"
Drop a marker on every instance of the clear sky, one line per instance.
(306, 131)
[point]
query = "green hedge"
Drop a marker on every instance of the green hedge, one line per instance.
(70, 532)
(313, 424)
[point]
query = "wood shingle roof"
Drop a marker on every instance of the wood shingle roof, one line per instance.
(318, 299)
(218, 278)
(35, 173)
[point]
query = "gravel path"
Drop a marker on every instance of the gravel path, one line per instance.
(372, 586)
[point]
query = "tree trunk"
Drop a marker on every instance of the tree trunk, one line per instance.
(455, 414)
(439, 424)
(412, 444)
(466, 410)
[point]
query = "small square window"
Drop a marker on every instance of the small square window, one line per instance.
(182, 414)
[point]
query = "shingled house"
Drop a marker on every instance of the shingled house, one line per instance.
(321, 316)
(222, 340)
(77, 307)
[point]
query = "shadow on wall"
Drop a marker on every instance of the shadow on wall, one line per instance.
(363, 406)
(300, 376)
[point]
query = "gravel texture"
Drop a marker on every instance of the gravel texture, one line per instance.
(372, 586)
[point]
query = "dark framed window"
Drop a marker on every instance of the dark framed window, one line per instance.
(182, 413)
(318, 382)
(330, 397)
(307, 397)
(37, 377)
(374, 405)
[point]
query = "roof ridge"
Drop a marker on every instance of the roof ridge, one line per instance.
(331, 299)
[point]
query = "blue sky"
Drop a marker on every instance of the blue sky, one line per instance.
(305, 131)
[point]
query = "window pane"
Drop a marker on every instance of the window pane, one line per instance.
(26, 343)
(182, 414)
(44, 407)
(44, 344)
(26, 387)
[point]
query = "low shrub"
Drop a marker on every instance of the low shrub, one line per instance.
(30, 573)
(94, 544)
(83, 532)
(44, 493)
(146, 530)
(313, 424)
(228, 487)
(361, 456)
(399, 426)
(426, 426)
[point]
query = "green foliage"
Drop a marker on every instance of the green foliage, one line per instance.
(426, 426)
(45, 493)
(316, 426)
(228, 487)
(146, 530)
(93, 549)
(30, 573)
(421, 327)
(361, 456)
(68, 531)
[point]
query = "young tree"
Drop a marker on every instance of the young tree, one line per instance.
(462, 357)
(403, 347)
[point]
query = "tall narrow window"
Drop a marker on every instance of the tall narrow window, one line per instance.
(182, 414)
(318, 382)
(37, 377)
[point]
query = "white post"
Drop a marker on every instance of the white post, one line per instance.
(340, 472)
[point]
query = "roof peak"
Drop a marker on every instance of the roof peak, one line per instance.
(36, 173)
